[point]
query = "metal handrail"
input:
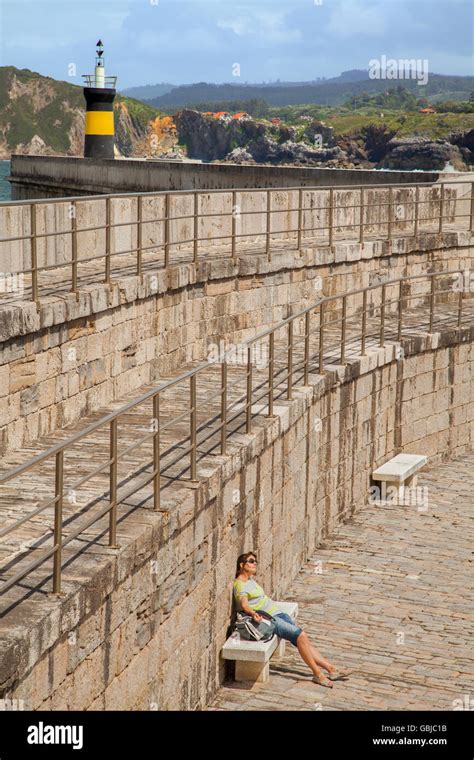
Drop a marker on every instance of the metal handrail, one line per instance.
(247, 398)
(302, 230)
(90, 80)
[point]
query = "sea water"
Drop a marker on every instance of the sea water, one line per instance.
(5, 194)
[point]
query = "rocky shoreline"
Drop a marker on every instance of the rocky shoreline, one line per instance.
(247, 141)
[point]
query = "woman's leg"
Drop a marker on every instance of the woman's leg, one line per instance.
(287, 629)
(316, 656)
(306, 651)
(320, 660)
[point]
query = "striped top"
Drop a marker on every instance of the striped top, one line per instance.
(257, 599)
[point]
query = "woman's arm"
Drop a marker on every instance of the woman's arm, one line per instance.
(246, 608)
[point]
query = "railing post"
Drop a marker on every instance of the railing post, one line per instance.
(460, 307)
(321, 337)
(269, 225)
(290, 360)
(108, 231)
(364, 322)
(417, 203)
(139, 234)
(234, 221)
(343, 329)
(74, 246)
(300, 217)
(331, 215)
(390, 211)
(167, 230)
(58, 520)
(195, 227)
(306, 348)
(193, 425)
(382, 317)
(156, 453)
(113, 484)
(471, 220)
(441, 209)
(223, 406)
(271, 360)
(400, 310)
(34, 255)
(361, 230)
(248, 425)
(432, 298)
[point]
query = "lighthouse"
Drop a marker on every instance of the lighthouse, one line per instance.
(99, 92)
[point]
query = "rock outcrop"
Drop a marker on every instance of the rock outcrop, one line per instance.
(239, 156)
(211, 139)
(326, 133)
(251, 141)
(465, 142)
(293, 152)
(420, 153)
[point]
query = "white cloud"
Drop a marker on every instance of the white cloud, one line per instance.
(353, 18)
(192, 39)
(269, 26)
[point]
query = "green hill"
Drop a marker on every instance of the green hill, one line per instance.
(331, 92)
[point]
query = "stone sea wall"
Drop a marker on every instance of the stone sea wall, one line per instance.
(141, 628)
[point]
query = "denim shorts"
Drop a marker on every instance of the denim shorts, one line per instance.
(286, 628)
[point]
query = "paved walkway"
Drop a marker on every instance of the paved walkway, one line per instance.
(54, 280)
(390, 594)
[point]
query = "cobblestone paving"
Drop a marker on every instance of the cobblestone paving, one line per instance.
(391, 595)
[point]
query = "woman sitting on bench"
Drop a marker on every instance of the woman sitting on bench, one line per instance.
(251, 598)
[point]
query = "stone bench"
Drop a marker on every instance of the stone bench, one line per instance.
(252, 658)
(398, 472)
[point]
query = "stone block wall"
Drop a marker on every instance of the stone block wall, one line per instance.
(57, 176)
(77, 353)
(142, 628)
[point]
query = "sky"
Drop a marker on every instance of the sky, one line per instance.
(185, 41)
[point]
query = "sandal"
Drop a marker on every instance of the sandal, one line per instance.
(338, 674)
(323, 680)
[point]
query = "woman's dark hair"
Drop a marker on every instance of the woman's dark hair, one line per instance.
(243, 558)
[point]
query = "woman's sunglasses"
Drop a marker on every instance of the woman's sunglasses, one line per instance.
(252, 562)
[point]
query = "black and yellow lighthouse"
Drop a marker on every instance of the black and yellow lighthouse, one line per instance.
(99, 92)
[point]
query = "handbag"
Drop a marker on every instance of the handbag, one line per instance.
(249, 630)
